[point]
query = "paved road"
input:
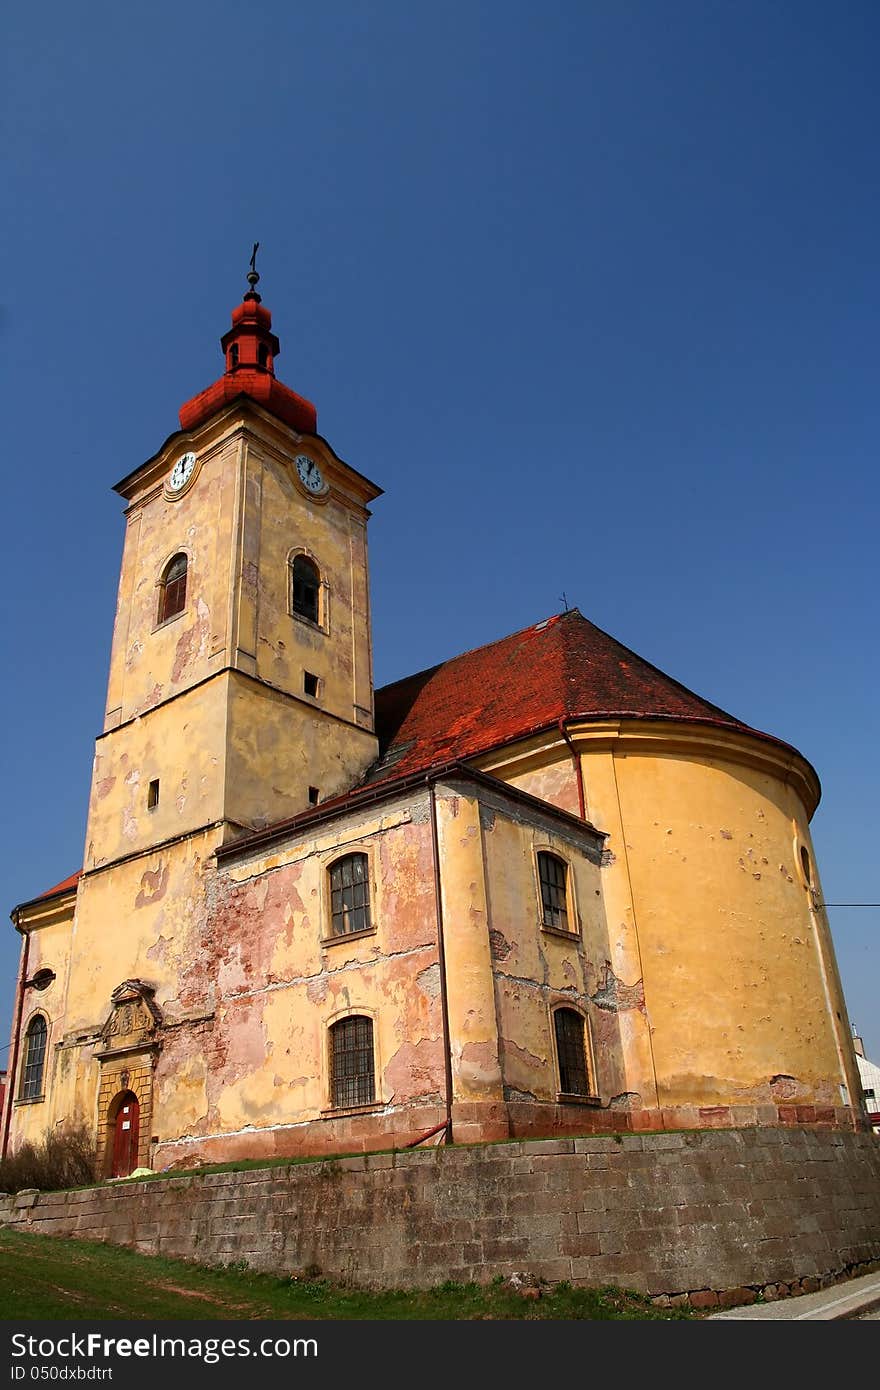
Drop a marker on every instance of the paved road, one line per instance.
(855, 1299)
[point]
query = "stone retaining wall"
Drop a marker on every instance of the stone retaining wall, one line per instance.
(728, 1212)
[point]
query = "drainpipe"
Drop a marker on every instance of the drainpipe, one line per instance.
(578, 770)
(13, 1061)
(441, 955)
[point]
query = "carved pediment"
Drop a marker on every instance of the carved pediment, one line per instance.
(134, 1016)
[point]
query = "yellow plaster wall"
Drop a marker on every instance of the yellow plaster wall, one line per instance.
(151, 662)
(473, 1027)
(183, 744)
(262, 1060)
(49, 948)
(277, 747)
(622, 1037)
(145, 919)
(536, 969)
(333, 533)
(733, 980)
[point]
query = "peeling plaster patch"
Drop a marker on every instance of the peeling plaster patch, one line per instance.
(415, 1068)
(783, 1087)
(606, 858)
(157, 952)
(153, 885)
(232, 971)
(487, 817)
(616, 996)
(104, 787)
(316, 990)
(569, 972)
(725, 834)
(627, 1100)
(129, 825)
(428, 980)
(479, 1063)
(784, 871)
(513, 1052)
(133, 778)
(250, 576)
(500, 946)
(511, 1093)
(183, 655)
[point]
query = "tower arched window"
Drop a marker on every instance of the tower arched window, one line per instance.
(263, 355)
(352, 1078)
(233, 356)
(172, 589)
(571, 1052)
(305, 589)
(34, 1059)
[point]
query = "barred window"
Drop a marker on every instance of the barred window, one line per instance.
(349, 895)
(351, 1062)
(305, 588)
(571, 1051)
(553, 876)
(172, 590)
(34, 1059)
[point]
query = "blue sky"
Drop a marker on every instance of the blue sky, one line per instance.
(590, 289)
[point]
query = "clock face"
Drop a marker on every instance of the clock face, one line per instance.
(310, 474)
(182, 472)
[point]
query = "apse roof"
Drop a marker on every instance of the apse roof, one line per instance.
(562, 668)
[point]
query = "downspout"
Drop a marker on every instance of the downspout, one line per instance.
(441, 956)
(578, 770)
(13, 1061)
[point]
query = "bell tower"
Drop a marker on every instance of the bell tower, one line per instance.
(240, 687)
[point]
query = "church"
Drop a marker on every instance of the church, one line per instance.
(539, 889)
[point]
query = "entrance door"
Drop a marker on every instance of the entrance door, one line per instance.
(125, 1138)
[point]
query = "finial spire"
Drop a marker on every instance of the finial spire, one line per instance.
(253, 277)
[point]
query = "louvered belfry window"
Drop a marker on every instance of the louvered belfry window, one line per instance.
(351, 1062)
(172, 592)
(349, 895)
(571, 1052)
(305, 581)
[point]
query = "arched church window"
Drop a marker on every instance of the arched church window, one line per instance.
(571, 1052)
(305, 589)
(34, 1059)
(553, 878)
(352, 1080)
(349, 895)
(172, 589)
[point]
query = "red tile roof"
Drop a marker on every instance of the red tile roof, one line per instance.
(65, 886)
(562, 668)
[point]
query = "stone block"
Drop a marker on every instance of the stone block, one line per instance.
(737, 1298)
(703, 1298)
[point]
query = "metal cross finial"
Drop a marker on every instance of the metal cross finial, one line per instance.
(253, 274)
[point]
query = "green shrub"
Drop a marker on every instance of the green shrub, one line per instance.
(64, 1158)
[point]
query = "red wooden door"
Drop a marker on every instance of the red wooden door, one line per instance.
(125, 1139)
